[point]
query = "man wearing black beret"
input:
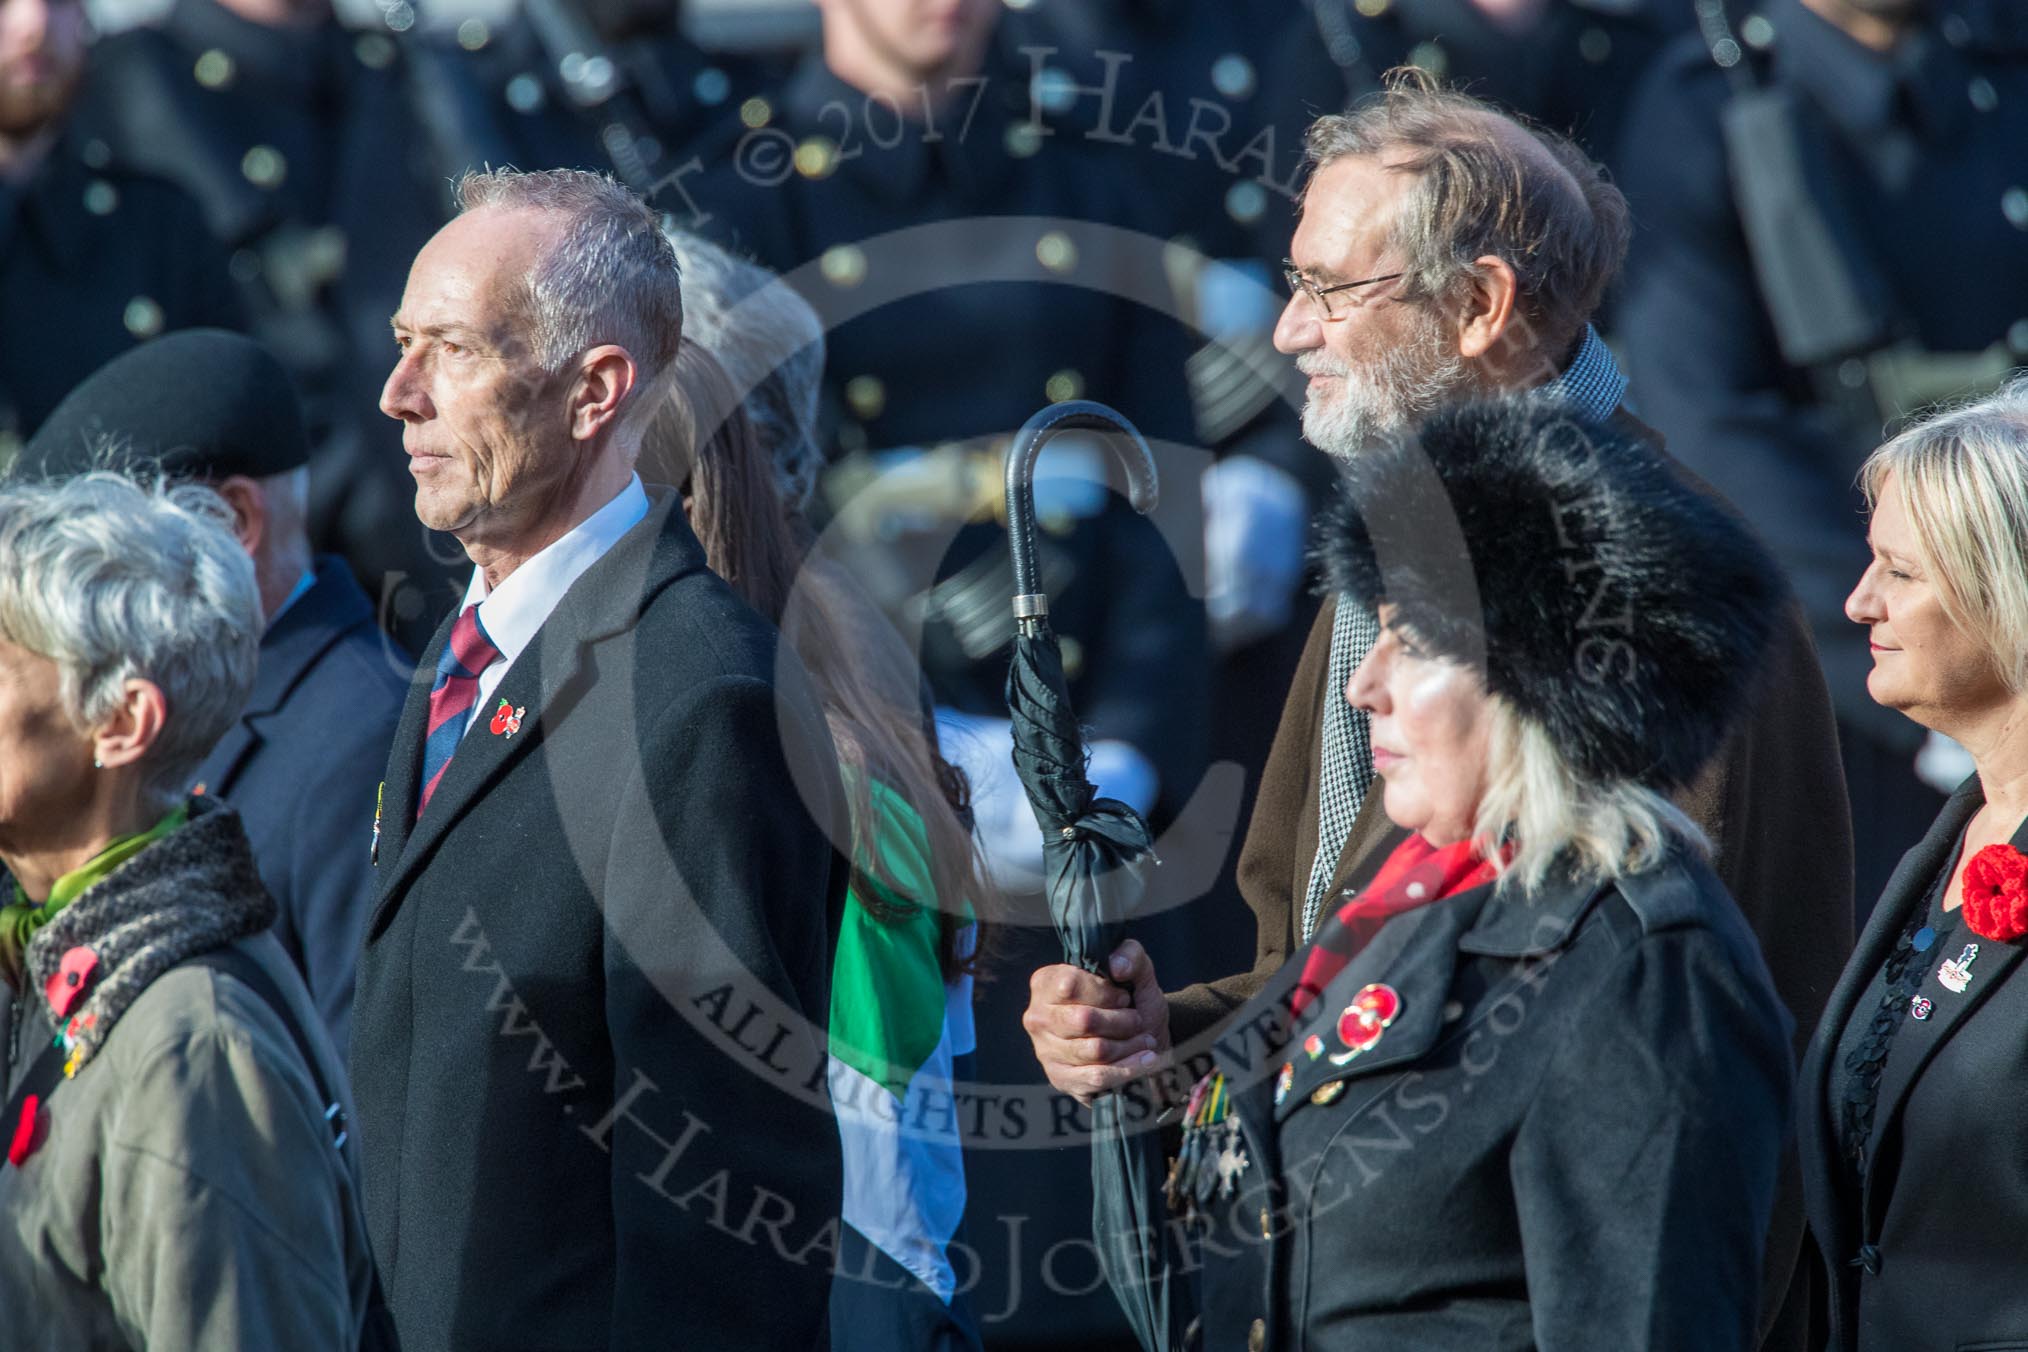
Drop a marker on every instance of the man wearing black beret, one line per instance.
(302, 763)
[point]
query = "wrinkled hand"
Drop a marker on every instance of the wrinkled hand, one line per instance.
(1092, 1035)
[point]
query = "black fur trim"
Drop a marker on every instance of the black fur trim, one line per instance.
(1609, 601)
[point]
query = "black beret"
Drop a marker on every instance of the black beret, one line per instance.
(198, 403)
(1605, 598)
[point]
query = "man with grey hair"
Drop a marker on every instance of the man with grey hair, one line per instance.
(1447, 251)
(592, 999)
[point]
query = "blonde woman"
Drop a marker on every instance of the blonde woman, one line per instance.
(1536, 1080)
(1915, 1089)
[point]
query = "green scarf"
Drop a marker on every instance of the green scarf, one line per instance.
(20, 921)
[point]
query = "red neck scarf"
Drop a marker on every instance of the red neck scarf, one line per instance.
(1416, 874)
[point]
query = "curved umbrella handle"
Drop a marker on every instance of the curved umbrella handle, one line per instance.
(1071, 415)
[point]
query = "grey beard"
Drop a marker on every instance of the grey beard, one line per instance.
(1386, 399)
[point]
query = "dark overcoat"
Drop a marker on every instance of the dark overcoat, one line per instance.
(589, 1039)
(301, 767)
(1568, 1137)
(1926, 1250)
(1774, 787)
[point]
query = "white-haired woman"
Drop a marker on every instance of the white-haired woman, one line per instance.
(1915, 1089)
(174, 1177)
(1535, 1086)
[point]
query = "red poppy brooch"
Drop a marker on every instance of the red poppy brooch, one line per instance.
(507, 719)
(1996, 894)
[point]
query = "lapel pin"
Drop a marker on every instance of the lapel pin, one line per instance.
(1284, 1082)
(507, 719)
(1920, 1007)
(1371, 1011)
(1327, 1094)
(1313, 1046)
(1956, 974)
(379, 801)
(66, 985)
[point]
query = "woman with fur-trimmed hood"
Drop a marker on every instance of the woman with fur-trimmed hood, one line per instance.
(1537, 1080)
(176, 1173)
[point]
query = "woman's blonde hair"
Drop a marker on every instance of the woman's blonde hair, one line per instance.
(1962, 478)
(1545, 813)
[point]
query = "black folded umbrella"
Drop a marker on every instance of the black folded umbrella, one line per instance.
(1095, 855)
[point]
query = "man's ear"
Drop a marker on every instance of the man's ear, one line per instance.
(133, 727)
(605, 377)
(249, 503)
(1488, 313)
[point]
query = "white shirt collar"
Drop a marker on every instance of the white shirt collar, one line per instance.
(513, 611)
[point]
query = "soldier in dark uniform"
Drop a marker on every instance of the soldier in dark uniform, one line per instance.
(612, 85)
(93, 258)
(323, 157)
(1834, 200)
(1573, 65)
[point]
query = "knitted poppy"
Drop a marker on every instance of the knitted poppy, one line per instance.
(1996, 893)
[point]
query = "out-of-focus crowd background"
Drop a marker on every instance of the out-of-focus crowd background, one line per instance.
(996, 204)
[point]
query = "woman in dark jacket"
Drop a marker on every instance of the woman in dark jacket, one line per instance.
(1914, 1119)
(1536, 1082)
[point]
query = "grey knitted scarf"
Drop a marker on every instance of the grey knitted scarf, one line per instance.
(194, 890)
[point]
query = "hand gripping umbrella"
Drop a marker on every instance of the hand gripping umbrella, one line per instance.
(1095, 854)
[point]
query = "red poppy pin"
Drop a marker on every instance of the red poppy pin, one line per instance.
(66, 985)
(1996, 894)
(1360, 1026)
(507, 719)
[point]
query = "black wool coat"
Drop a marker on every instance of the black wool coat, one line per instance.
(301, 767)
(589, 1038)
(1567, 1138)
(1925, 1251)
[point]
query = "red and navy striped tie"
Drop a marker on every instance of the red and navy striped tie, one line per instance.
(468, 654)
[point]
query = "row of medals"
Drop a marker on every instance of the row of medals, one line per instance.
(1213, 1155)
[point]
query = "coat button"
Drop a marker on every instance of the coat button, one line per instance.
(1256, 1335)
(1267, 1224)
(1868, 1259)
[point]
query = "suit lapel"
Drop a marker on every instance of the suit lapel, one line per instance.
(402, 786)
(1820, 1079)
(607, 599)
(1919, 1039)
(535, 686)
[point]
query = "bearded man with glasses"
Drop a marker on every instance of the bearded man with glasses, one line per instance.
(1447, 252)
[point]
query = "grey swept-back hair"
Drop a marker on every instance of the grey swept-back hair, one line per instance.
(115, 580)
(608, 277)
(1487, 184)
(770, 343)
